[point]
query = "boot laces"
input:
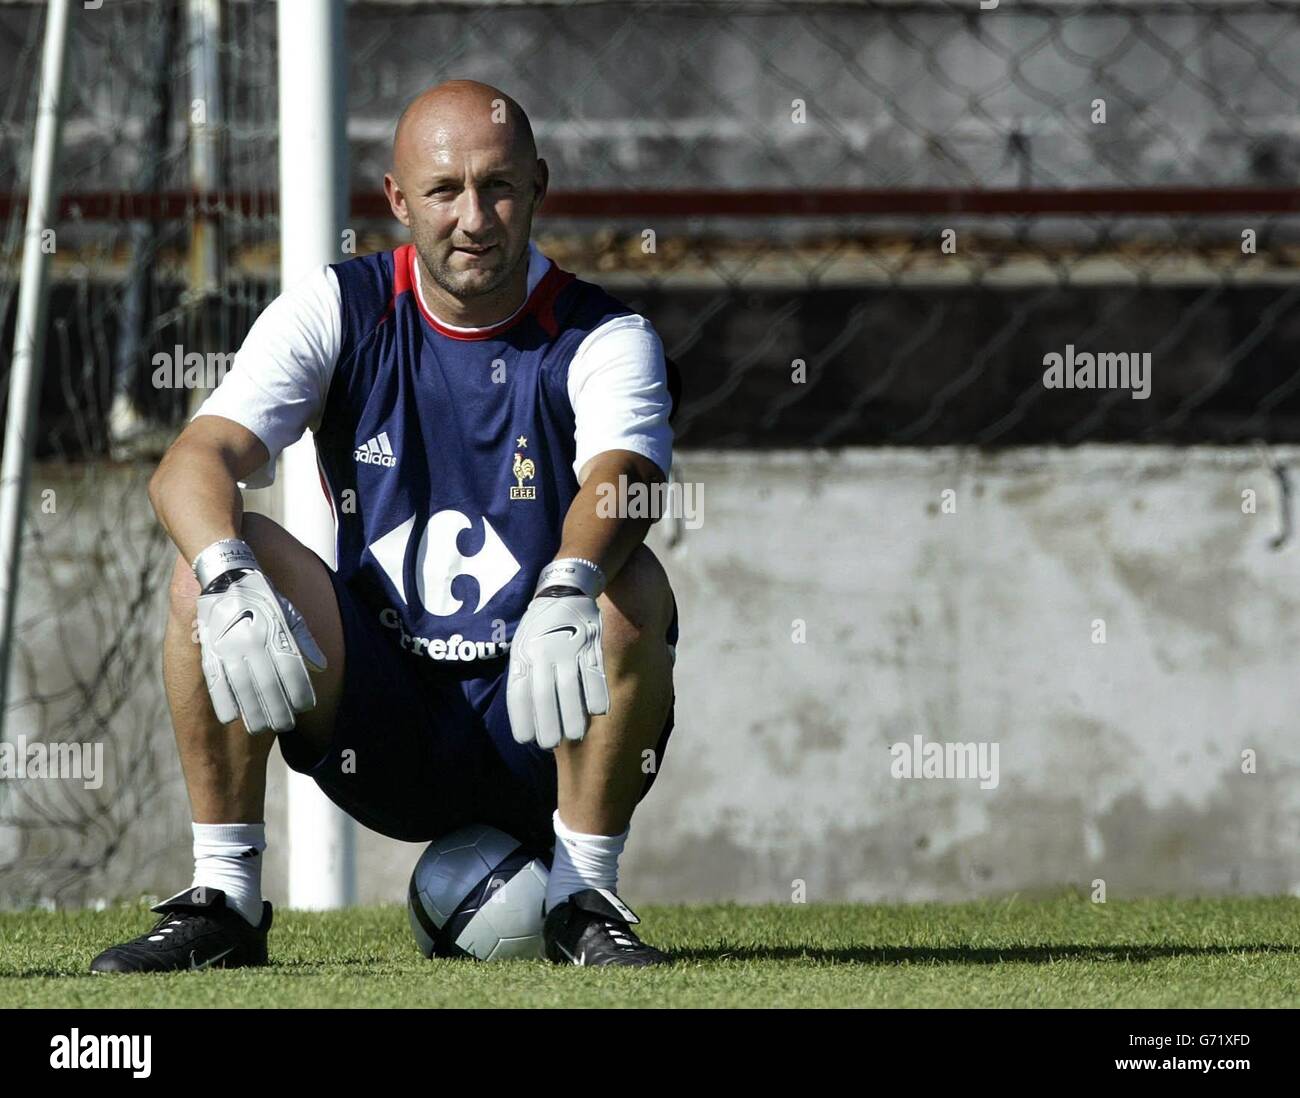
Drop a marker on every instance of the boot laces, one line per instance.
(167, 926)
(622, 935)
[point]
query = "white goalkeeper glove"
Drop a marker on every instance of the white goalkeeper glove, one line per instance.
(557, 669)
(256, 647)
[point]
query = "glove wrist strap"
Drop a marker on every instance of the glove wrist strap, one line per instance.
(585, 575)
(221, 557)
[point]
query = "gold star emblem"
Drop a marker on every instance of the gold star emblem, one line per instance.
(521, 442)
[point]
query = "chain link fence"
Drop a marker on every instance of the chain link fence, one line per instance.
(852, 223)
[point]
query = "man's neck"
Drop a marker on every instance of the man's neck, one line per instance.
(478, 312)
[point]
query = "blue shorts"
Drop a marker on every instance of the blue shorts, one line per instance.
(421, 748)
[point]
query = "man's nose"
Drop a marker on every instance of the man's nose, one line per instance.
(471, 214)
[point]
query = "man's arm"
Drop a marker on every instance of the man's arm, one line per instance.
(275, 391)
(255, 646)
(589, 535)
(557, 677)
(195, 489)
(618, 389)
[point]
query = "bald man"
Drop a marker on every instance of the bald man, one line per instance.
(496, 643)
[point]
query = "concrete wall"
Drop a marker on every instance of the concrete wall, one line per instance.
(1120, 761)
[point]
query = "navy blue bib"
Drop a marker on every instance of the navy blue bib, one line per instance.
(448, 458)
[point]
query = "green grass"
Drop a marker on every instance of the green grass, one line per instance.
(1060, 952)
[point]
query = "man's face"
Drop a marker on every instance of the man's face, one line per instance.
(470, 208)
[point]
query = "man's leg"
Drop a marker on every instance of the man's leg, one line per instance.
(225, 767)
(600, 778)
(221, 919)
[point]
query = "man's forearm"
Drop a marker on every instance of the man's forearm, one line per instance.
(604, 540)
(196, 499)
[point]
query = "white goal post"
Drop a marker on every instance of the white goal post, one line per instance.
(29, 332)
(313, 210)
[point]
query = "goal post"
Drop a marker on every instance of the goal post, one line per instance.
(314, 186)
(29, 331)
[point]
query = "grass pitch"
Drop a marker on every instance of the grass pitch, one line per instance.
(1060, 952)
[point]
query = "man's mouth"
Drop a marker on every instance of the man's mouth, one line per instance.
(476, 251)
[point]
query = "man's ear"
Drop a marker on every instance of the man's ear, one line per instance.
(396, 199)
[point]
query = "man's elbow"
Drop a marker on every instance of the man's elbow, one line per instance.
(160, 481)
(643, 469)
(156, 484)
(607, 467)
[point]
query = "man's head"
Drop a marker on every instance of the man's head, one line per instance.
(466, 181)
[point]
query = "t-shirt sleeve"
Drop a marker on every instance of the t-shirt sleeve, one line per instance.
(618, 387)
(281, 374)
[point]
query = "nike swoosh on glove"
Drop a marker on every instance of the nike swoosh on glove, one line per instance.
(557, 670)
(256, 649)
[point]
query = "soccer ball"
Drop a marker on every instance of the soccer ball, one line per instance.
(478, 893)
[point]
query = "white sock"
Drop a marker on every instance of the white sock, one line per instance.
(582, 861)
(229, 857)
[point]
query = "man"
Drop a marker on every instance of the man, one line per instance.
(493, 646)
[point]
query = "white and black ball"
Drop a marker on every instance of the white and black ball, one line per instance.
(478, 892)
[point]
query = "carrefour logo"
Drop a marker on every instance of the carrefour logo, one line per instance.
(438, 562)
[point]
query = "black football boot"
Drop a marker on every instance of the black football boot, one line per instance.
(594, 927)
(197, 930)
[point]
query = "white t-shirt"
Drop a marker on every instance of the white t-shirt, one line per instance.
(617, 381)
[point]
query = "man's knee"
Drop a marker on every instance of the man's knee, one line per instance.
(263, 535)
(637, 606)
(298, 575)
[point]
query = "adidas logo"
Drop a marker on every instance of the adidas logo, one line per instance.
(376, 451)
